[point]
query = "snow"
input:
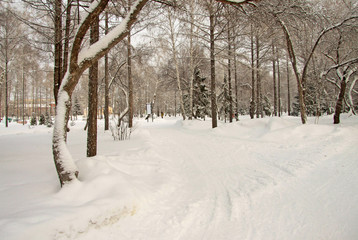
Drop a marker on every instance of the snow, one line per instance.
(270, 178)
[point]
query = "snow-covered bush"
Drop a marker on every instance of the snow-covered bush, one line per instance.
(120, 129)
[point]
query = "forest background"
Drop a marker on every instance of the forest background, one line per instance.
(199, 59)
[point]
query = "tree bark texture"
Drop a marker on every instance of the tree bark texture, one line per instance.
(6, 88)
(278, 84)
(58, 48)
(229, 75)
(130, 81)
(106, 85)
(252, 102)
(192, 73)
(67, 38)
(259, 111)
(274, 80)
(339, 104)
(93, 96)
(288, 89)
(23, 96)
(212, 71)
(236, 82)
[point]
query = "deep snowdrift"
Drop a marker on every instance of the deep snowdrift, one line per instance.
(270, 178)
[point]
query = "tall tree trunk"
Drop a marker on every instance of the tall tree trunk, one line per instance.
(339, 104)
(212, 70)
(15, 105)
(6, 47)
(175, 103)
(252, 102)
(236, 81)
(40, 93)
(106, 86)
(6, 87)
(130, 80)
(259, 111)
(274, 80)
(67, 38)
(293, 60)
(278, 84)
(23, 95)
(192, 74)
(229, 73)
(182, 109)
(288, 88)
(58, 48)
(93, 96)
(6, 70)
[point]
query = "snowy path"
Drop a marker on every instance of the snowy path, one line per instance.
(264, 179)
(225, 186)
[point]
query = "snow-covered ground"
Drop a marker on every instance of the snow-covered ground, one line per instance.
(270, 178)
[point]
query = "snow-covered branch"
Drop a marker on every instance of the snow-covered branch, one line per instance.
(323, 32)
(348, 62)
(93, 11)
(238, 2)
(97, 50)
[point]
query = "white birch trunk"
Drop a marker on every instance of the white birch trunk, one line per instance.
(172, 38)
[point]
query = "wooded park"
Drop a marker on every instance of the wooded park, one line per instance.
(202, 59)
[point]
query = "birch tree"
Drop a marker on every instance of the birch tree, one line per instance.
(173, 43)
